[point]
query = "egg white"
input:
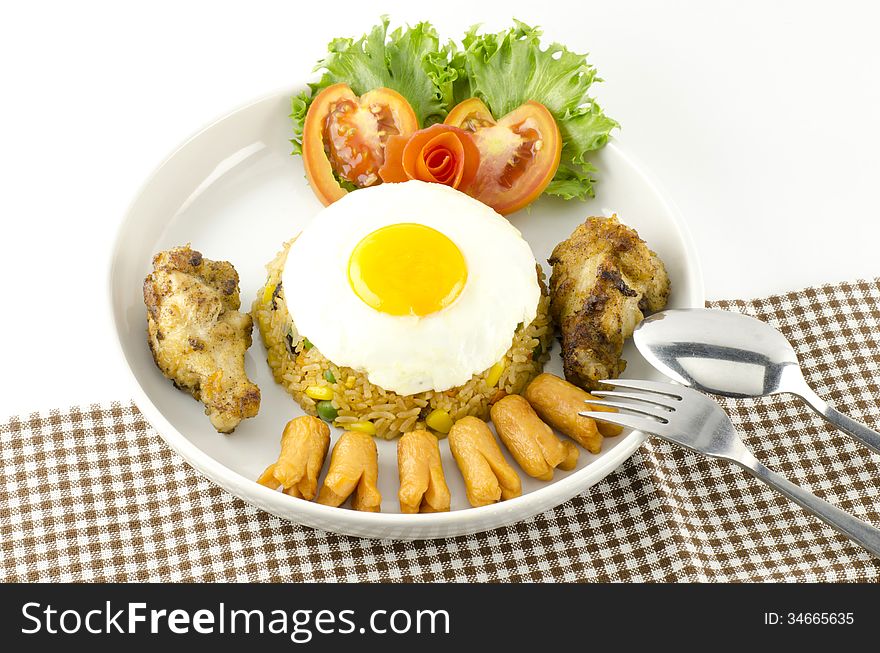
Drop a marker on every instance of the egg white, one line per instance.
(410, 354)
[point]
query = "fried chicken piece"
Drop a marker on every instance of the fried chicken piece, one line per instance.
(604, 280)
(197, 335)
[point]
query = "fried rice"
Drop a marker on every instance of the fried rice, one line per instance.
(298, 366)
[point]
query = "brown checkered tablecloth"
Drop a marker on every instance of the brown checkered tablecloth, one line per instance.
(94, 494)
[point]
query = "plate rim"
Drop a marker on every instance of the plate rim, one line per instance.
(361, 524)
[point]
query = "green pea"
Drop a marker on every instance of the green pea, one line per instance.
(537, 352)
(307, 344)
(328, 375)
(326, 411)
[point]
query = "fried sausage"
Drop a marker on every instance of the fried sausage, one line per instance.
(422, 483)
(304, 445)
(558, 402)
(487, 475)
(354, 468)
(531, 442)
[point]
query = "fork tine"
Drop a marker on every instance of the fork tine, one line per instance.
(657, 387)
(651, 399)
(630, 408)
(626, 421)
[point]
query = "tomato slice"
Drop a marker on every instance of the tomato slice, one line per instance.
(346, 135)
(519, 153)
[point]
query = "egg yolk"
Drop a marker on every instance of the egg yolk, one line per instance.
(407, 269)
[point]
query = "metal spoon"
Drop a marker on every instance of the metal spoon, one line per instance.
(733, 355)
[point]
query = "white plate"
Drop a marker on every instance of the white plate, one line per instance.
(236, 194)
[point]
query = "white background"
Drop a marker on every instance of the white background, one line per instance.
(759, 119)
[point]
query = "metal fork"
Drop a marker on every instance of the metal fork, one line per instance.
(692, 420)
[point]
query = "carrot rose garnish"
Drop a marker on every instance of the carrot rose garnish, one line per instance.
(440, 154)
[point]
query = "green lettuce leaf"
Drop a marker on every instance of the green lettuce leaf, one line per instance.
(509, 68)
(299, 106)
(503, 69)
(572, 182)
(409, 60)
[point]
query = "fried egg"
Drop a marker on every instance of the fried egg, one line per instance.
(418, 285)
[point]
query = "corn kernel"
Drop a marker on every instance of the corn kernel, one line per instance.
(349, 382)
(364, 427)
(494, 375)
(439, 420)
(319, 393)
(268, 291)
